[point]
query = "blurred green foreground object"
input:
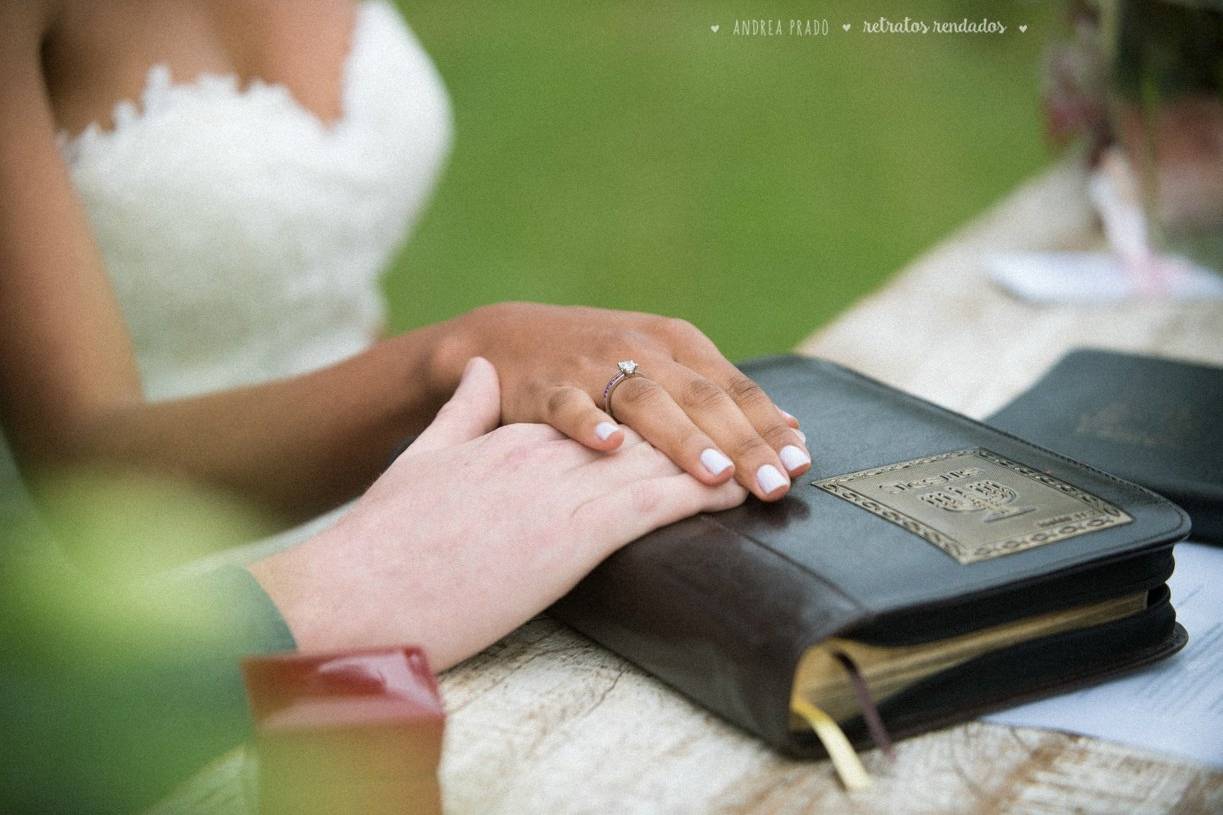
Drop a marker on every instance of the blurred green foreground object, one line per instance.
(626, 155)
(116, 690)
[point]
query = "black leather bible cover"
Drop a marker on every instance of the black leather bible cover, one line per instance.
(915, 524)
(1157, 422)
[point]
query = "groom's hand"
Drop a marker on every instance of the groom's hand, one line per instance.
(473, 531)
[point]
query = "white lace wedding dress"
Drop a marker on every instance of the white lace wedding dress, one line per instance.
(243, 236)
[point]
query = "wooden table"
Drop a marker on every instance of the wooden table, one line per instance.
(547, 722)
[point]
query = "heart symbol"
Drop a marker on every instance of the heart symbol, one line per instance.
(845, 26)
(714, 28)
(1023, 28)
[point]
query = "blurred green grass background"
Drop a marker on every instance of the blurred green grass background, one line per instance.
(625, 155)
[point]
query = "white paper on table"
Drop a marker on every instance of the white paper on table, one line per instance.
(1094, 278)
(1175, 706)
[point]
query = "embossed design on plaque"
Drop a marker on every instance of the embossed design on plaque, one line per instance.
(975, 504)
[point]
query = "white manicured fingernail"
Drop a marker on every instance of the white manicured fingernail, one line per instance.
(793, 457)
(714, 461)
(604, 430)
(801, 435)
(770, 479)
(787, 415)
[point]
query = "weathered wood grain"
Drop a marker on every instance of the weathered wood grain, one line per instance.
(546, 722)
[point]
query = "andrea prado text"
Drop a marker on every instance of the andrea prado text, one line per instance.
(781, 28)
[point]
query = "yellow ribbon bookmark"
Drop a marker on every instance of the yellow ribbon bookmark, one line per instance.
(844, 760)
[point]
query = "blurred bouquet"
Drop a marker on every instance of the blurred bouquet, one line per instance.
(1141, 83)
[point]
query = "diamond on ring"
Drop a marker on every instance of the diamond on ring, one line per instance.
(625, 369)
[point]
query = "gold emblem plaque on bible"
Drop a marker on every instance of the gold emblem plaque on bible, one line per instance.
(975, 504)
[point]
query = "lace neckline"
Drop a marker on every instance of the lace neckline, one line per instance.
(161, 92)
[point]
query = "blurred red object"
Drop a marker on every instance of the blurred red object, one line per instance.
(355, 731)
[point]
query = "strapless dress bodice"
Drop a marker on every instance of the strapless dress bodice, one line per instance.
(243, 236)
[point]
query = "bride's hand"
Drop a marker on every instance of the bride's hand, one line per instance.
(688, 400)
(470, 533)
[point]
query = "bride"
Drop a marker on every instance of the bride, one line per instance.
(198, 198)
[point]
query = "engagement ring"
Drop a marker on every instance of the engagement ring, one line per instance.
(627, 368)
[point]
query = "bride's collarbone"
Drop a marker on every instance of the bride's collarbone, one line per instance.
(97, 54)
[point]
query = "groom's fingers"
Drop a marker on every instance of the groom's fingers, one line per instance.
(630, 511)
(473, 410)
